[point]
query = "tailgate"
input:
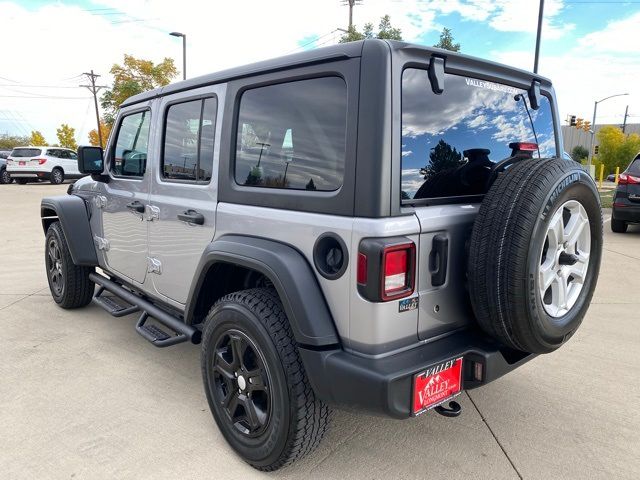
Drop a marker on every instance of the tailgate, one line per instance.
(442, 264)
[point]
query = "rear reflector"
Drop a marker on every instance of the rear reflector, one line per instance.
(362, 269)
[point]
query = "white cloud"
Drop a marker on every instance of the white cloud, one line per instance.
(522, 16)
(619, 36)
(406, 153)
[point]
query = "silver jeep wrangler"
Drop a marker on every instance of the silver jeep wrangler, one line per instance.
(375, 225)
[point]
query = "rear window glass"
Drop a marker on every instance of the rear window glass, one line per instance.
(25, 152)
(450, 141)
(634, 168)
(293, 135)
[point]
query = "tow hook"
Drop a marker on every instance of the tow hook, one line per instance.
(453, 410)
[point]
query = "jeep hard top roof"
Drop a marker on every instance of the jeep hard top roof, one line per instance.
(343, 51)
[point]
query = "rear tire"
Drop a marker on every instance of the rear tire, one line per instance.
(619, 226)
(273, 420)
(57, 176)
(69, 284)
(535, 254)
(5, 177)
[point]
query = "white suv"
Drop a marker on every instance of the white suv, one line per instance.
(42, 163)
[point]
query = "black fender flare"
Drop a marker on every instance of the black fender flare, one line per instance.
(291, 275)
(72, 213)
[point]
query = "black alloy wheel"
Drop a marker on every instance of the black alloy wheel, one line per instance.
(54, 266)
(241, 381)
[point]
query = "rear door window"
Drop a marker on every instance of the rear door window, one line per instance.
(293, 135)
(130, 152)
(25, 152)
(451, 141)
(189, 140)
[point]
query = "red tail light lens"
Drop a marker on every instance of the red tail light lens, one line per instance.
(39, 160)
(526, 146)
(398, 263)
(626, 179)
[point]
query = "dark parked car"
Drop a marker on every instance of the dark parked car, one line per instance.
(4, 175)
(626, 203)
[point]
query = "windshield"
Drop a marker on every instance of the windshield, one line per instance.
(451, 141)
(25, 152)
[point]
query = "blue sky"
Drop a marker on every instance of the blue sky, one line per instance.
(590, 48)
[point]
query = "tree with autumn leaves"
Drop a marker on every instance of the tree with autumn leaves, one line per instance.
(134, 76)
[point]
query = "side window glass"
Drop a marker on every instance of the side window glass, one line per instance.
(130, 152)
(293, 135)
(63, 154)
(207, 138)
(188, 140)
(53, 153)
(73, 156)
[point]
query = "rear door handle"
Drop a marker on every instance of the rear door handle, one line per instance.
(438, 260)
(191, 216)
(136, 206)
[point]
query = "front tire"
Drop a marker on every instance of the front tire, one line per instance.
(69, 284)
(619, 226)
(255, 382)
(57, 176)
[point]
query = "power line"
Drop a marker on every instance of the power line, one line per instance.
(21, 85)
(44, 97)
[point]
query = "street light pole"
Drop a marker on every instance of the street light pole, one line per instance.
(184, 52)
(540, 18)
(593, 125)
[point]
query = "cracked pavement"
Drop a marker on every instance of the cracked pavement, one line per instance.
(83, 396)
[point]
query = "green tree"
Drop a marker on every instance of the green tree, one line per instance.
(9, 142)
(385, 31)
(441, 158)
(66, 136)
(132, 77)
(37, 139)
(615, 148)
(579, 153)
(446, 41)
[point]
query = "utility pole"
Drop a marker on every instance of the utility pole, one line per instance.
(540, 18)
(94, 89)
(351, 3)
(624, 123)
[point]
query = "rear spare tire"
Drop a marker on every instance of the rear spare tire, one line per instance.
(535, 254)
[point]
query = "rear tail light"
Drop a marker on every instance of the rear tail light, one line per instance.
(626, 179)
(524, 146)
(386, 268)
(398, 271)
(39, 160)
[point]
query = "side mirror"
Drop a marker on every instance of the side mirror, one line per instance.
(90, 160)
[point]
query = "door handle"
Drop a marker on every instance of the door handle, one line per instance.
(136, 206)
(438, 260)
(191, 216)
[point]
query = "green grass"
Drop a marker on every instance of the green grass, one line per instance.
(606, 198)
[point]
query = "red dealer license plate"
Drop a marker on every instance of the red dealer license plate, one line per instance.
(436, 384)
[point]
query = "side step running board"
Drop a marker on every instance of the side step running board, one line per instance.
(112, 305)
(152, 333)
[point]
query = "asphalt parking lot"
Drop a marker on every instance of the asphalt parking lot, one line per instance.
(83, 396)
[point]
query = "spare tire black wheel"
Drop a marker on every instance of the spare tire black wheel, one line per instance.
(535, 254)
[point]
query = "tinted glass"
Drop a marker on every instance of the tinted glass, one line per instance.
(450, 141)
(130, 153)
(181, 141)
(53, 152)
(293, 135)
(207, 138)
(634, 168)
(25, 152)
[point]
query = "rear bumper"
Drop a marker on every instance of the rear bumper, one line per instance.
(34, 174)
(630, 213)
(384, 385)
